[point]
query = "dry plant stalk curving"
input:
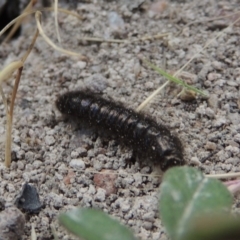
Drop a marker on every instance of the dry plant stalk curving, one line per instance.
(12, 67)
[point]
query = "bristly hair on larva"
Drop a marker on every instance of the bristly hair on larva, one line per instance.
(147, 138)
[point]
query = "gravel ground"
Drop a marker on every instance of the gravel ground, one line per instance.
(64, 160)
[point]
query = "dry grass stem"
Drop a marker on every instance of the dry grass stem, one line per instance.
(19, 22)
(54, 46)
(56, 20)
(145, 102)
(95, 39)
(154, 94)
(23, 15)
(224, 175)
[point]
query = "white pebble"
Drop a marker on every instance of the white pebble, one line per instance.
(219, 122)
(100, 195)
(77, 163)
(50, 140)
(80, 65)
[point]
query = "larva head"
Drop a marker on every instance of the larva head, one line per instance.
(170, 149)
(68, 103)
(172, 161)
(62, 104)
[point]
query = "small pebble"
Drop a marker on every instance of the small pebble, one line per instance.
(79, 152)
(232, 149)
(80, 64)
(210, 146)
(149, 85)
(29, 199)
(115, 21)
(213, 101)
(54, 199)
(106, 180)
(77, 163)
(219, 121)
(12, 222)
(149, 216)
(147, 225)
(213, 76)
(195, 161)
(210, 113)
(100, 195)
(237, 138)
(50, 140)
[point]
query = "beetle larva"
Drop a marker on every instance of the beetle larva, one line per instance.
(147, 138)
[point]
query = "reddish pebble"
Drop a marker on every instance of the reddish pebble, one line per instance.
(67, 179)
(106, 180)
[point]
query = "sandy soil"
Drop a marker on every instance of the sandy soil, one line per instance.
(59, 157)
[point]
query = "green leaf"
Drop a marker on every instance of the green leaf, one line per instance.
(93, 224)
(173, 79)
(186, 194)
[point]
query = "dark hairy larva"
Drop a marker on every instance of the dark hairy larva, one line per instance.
(148, 139)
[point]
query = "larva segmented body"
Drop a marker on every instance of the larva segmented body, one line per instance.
(147, 138)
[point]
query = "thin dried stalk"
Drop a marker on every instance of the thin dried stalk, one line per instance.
(53, 45)
(8, 146)
(56, 20)
(19, 22)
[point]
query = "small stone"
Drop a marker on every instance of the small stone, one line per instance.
(116, 22)
(149, 216)
(20, 165)
(157, 7)
(54, 200)
(195, 161)
(188, 95)
(210, 146)
(67, 180)
(106, 180)
(147, 225)
(50, 140)
(29, 199)
(213, 76)
(237, 138)
(37, 164)
(149, 85)
(232, 83)
(213, 101)
(11, 188)
(234, 118)
(91, 189)
(219, 122)
(210, 113)
(125, 207)
(157, 235)
(96, 82)
(217, 65)
(29, 156)
(232, 149)
(77, 163)
(80, 65)
(233, 161)
(79, 152)
(100, 195)
(201, 110)
(128, 180)
(12, 222)
(174, 42)
(90, 153)
(137, 69)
